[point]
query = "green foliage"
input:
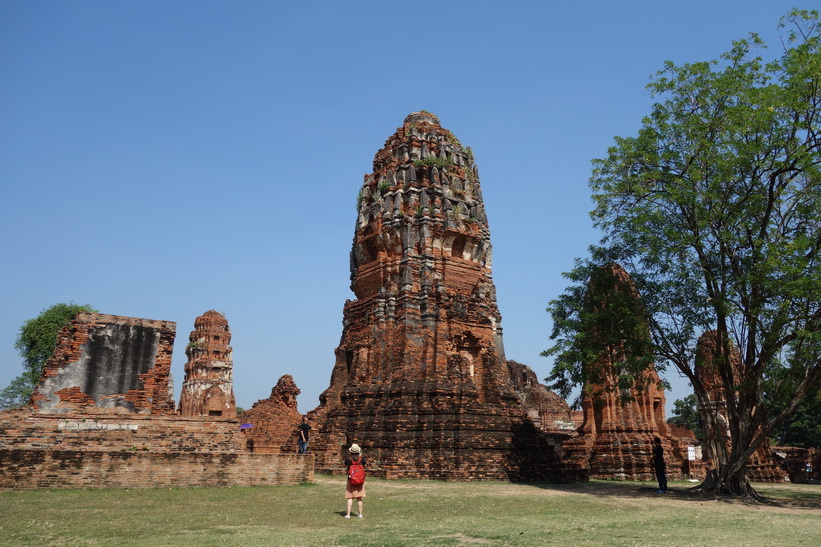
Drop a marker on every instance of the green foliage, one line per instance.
(470, 176)
(359, 197)
(193, 345)
(686, 415)
(803, 426)
(36, 343)
(713, 209)
(602, 315)
(384, 185)
(433, 161)
(16, 394)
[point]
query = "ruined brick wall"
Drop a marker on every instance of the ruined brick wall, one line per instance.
(799, 464)
(110, 362)
(420, 378)
(208, 388)
(274, 420)
(125, 469)
(615, 440)
(107, 450)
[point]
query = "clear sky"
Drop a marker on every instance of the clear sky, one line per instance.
(160, 159)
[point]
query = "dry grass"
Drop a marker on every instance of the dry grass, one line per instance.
(400, 513)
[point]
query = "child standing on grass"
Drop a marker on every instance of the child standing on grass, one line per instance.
(354, 491)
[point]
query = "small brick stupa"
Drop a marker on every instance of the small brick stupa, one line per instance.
(420, 379)
(208, 388)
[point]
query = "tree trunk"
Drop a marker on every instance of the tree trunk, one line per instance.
(723, 482)
(729, 475)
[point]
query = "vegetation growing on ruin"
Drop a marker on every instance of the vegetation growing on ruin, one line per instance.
(193, 345)
(451, 138)
(433, 161)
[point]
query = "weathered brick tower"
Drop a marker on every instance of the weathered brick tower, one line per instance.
(615, 440)
(208, 389)
(420, 379)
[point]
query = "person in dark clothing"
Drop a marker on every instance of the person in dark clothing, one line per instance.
(660, 466)
(303, 430)
(354, 491)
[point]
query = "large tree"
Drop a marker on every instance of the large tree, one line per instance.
(714, 210)
(685, 414)
(802, 427)
(36, 342)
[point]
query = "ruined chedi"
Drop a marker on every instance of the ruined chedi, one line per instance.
(615, 439)
(761, 466)
(420, 379)
(208, 388)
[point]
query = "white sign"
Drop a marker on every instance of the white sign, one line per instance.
(691, 453)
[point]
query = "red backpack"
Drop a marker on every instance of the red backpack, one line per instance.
(356, 472)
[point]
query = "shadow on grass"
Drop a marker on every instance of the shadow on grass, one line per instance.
(775, 495)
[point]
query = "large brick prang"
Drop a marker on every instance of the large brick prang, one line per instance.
(420, 378)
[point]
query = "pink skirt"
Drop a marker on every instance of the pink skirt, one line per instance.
(354, 491)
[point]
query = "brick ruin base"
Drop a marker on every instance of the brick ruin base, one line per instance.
(103, 416)
(135, 451)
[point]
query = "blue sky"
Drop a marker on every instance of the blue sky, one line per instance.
(160, 159)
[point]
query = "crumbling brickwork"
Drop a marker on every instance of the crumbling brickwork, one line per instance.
(420, 378)
(108, 361)
(110, 450)
(208, 389)
(273, 421)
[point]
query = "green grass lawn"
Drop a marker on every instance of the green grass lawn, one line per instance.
(412, 513)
